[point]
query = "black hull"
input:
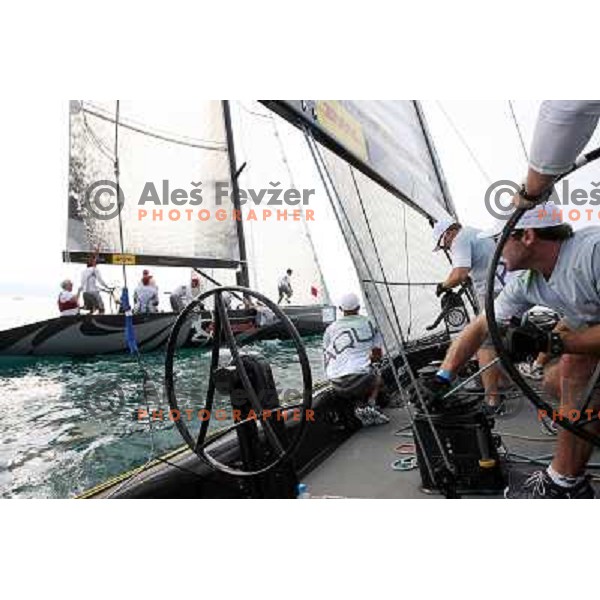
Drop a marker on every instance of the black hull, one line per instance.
(98, 335)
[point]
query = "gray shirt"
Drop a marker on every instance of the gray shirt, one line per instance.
(562, 130)
(470, 251)
(573, 289)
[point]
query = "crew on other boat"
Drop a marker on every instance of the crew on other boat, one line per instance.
(284, 287)
(471, 256)
(562, 270)
(90, 278)
(351, 347)
(68, 302)
(145, 296)
(182, 295)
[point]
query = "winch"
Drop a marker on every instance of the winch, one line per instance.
(464, 431)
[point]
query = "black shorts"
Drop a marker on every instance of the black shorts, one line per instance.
(356, 386)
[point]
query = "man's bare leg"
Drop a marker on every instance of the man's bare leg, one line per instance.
(572, 453)
(490, 377)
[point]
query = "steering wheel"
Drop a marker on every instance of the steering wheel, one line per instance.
(222, 330)
(494, 330)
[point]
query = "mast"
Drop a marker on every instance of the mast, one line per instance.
(242, 275)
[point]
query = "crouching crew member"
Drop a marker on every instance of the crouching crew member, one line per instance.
(351, 345)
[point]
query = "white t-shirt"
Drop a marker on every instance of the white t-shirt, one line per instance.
(573, 289)
(184, 292)
(66, 298)
(146, 299)
(285, 283)
(347, 345)
(474, 253)
(563, 129)
(90, 279)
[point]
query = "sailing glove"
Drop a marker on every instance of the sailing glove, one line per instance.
(440, 289)
(528, 341)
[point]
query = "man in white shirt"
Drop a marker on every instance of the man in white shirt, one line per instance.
(68, 302)
(350, 347)
(90, 278)
(284, 287)
(471, 256)
(562, 273)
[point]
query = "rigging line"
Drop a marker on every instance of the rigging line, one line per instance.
(464, 143)
(305, 228)
(94, 141)
(117, 176)
(321, 167)
(409, 294)
(219, 148)
(377, 255)
(516, 122)
(107, 113)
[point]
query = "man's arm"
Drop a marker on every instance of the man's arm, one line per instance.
(457, 276)
(586, 341)
(467, 343)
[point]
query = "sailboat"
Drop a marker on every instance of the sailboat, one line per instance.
(377, 161)
(130, 149)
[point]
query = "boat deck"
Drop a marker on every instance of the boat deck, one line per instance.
(362, 466)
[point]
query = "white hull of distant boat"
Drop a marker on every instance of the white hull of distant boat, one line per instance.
(87, 335)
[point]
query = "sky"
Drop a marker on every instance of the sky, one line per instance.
(33, 228)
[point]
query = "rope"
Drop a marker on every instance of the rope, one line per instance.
(465, 144)
(215, 146)
(516, 122)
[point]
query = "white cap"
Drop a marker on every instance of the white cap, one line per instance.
(349, 301)
(439, 229)
(539, 217)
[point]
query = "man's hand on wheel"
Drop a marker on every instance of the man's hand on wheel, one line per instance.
(440, 289)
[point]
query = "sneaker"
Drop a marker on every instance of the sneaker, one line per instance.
(532, 371)
(363, 415)
(539, 485)
(495, 410)
(377, 416)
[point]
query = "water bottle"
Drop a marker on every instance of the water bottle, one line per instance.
(302, 491)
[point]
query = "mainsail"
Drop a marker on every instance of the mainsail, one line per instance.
(379, 165)
(160, 148)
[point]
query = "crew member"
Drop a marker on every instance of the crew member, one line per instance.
(284, 287)
(562, 270)
(351, 345)
(471, 256)
(181, 296)
(145, 296)
(68, 302)
(90, 278)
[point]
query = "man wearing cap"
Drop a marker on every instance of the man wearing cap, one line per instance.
(145, 296)
(562, 273)
(182, 295)
(350, 346)
(471, 256)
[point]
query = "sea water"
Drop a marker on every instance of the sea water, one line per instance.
(68, 424)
